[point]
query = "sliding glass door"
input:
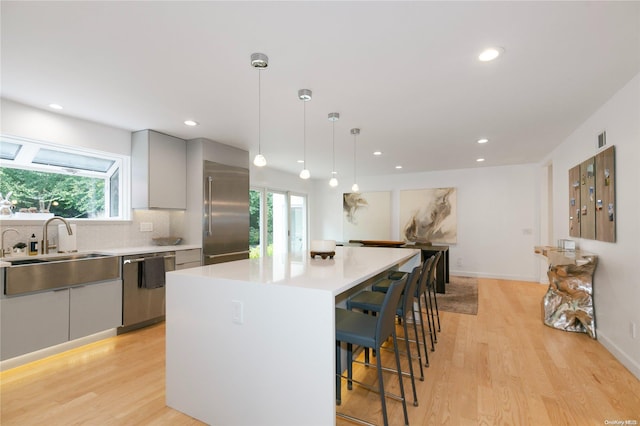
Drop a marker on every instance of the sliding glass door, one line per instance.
(278, 222)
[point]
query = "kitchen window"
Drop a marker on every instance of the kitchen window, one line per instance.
(41, 179)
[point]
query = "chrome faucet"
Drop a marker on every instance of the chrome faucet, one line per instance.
(45, 239)
(6, 252)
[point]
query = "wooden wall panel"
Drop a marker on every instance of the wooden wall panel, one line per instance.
(605, 195)
(574, 201)
(588, 199)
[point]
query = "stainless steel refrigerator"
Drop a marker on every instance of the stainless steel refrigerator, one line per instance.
(225, 226)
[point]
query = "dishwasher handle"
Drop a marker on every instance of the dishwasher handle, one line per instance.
(141, 259)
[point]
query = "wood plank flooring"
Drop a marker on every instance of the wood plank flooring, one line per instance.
(502, 366)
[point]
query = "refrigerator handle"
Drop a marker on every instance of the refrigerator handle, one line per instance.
(210, 181)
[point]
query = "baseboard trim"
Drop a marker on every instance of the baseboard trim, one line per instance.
(529, 278)
(619, 354)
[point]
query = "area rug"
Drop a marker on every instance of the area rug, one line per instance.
(461, 296)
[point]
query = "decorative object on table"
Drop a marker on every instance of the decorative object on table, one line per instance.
(167, 241)
(378, 243)
(568, 303)
(461, 296)
(429, 215)
(323, 248)
(366, 215)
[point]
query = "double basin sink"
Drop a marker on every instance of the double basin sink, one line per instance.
(47, 273)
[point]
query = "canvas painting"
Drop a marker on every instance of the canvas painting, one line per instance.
(429, 215)
(367, 216)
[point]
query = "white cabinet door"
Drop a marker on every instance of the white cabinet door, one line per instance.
(94, 308)
(159, 171)
(33, 322)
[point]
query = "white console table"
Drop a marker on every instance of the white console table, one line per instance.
(252, 342)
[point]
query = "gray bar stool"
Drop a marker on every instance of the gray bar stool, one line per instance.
(371, 301)
(356, 328)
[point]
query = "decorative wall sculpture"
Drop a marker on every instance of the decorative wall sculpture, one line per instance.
(592, 206)
(429, 215)
(367, 216)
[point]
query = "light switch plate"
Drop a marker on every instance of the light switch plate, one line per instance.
(237, 315)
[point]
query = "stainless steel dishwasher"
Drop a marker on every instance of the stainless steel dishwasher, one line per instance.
(142, 306)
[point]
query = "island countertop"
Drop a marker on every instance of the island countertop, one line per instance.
(350, 265)
(252, 342)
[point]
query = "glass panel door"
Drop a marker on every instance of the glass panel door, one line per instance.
(277, 229)
(255, 223)
(298, 214)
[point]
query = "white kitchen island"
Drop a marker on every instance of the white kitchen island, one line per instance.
(252, 342)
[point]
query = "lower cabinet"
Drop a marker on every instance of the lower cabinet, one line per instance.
(33, 322)
(94, 308)
(37, 321)
(187, 259)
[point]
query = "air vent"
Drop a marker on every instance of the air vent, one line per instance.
(602, 139)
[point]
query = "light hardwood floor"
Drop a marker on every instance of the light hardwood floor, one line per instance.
(502, 366)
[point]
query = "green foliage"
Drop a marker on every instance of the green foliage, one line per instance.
(76, 196)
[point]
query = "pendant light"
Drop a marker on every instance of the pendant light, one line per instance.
(333, 117)
(355, 187)
(305, 96)
(259, 61)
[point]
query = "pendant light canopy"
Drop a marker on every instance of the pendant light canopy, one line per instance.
(305, 96)
(333, 117)
(259, 61)
(355, 187)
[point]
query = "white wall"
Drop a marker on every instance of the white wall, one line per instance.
(617, 277)
(37, 124)
(33, 123)
(497, 216)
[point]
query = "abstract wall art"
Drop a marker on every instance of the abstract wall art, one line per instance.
(367, 216)
(429, 215)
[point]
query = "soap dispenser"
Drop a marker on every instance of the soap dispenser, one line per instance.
(33, 245)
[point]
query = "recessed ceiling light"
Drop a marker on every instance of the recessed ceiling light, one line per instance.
(191, 123)
(301, 161)
(377, 153)
(483, 140)
(480, 160)
(398, 167)
(55, 106)
(490, 54)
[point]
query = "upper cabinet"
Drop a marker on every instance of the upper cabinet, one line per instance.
(158, 171)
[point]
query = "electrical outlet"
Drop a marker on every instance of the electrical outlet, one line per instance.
(632, 330)
(459, 262)
(237, 312)
(146, 226)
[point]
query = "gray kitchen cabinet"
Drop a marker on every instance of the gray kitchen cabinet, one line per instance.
(40, 320)
(188, 259)
(159, 171)
(33, 321)
(94, 308)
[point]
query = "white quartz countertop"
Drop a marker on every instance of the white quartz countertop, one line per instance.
(123, 251)
(350, 265)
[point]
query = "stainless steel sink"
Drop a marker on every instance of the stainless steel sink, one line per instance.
(46, 273)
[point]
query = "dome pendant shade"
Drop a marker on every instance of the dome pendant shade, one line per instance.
(305, 174)
(260, 161)
(333, 182)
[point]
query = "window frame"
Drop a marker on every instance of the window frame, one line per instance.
(121, 166)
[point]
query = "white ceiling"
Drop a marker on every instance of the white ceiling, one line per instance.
(405, 73)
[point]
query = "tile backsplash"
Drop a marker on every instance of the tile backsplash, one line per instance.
(103, 235)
